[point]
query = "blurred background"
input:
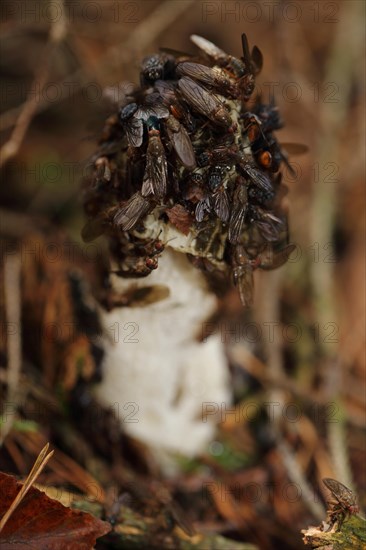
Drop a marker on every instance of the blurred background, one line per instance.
(56, 59)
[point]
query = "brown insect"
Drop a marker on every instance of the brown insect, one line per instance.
(238, 212)
(242, 271)
(269, 259)
(179, 138)
(204, 102)
(129, 213)
(345, 503)
(141, 259)
(212, 77)
(156, 171)
(244, 69)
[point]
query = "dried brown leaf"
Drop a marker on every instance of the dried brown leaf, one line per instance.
(40, 522)
(180, 218)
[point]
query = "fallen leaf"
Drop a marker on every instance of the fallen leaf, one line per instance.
(179, 217)
(40, 522)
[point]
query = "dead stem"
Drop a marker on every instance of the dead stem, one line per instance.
(342, 64)
(143, 35)
(14, 343)
(269, 312)
(29, 108)
(297, 477)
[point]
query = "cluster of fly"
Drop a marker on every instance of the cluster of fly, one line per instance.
(185, 139)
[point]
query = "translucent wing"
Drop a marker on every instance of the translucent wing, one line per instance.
(129, 213)
(271, 260)
(156, 171)
(134, 131)
(202, 207)
(221, 205)
(258, 177)
(181, 142)
(243, 279)
(209, 48)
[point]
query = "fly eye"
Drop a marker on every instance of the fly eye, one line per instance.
(265, 159)
(253, 133)
(151, 263)
(159, 247)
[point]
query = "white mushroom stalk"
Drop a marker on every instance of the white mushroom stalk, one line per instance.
(159, 379)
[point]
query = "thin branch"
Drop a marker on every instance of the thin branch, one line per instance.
(12, 293)
(268, 311)
(342, 67)
(144, 34)
(29, 108)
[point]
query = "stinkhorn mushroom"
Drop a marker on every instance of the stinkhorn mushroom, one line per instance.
(186, 187)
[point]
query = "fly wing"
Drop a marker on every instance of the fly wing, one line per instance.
(197, 72)
(253, 60)
(202, 207)
(200, 99)
(270, 226)
(259, 178)
(129, 213)
(243, 279)
(257, 60)
(238, 213)
(209, 48)
(147, 111)
(134, 131)
(221, 205)
(271, 260)
(340, 491)
(156, 171)
(166, 92)
(183, 146)
(246, 53)
(210, 76)
(237, 221)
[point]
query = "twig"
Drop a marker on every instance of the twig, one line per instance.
(12, 267)
(269, 312)
(297, 477)
(144, 33)
(337, 442)
(341, 69)
(29, 108)
(39, 464)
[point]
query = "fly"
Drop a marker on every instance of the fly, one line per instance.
(238, 212)
(129, 213)
(180, 140)
(156, 170)
(133, 117)
(242, 270)
(212, 77)
(204, 102)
